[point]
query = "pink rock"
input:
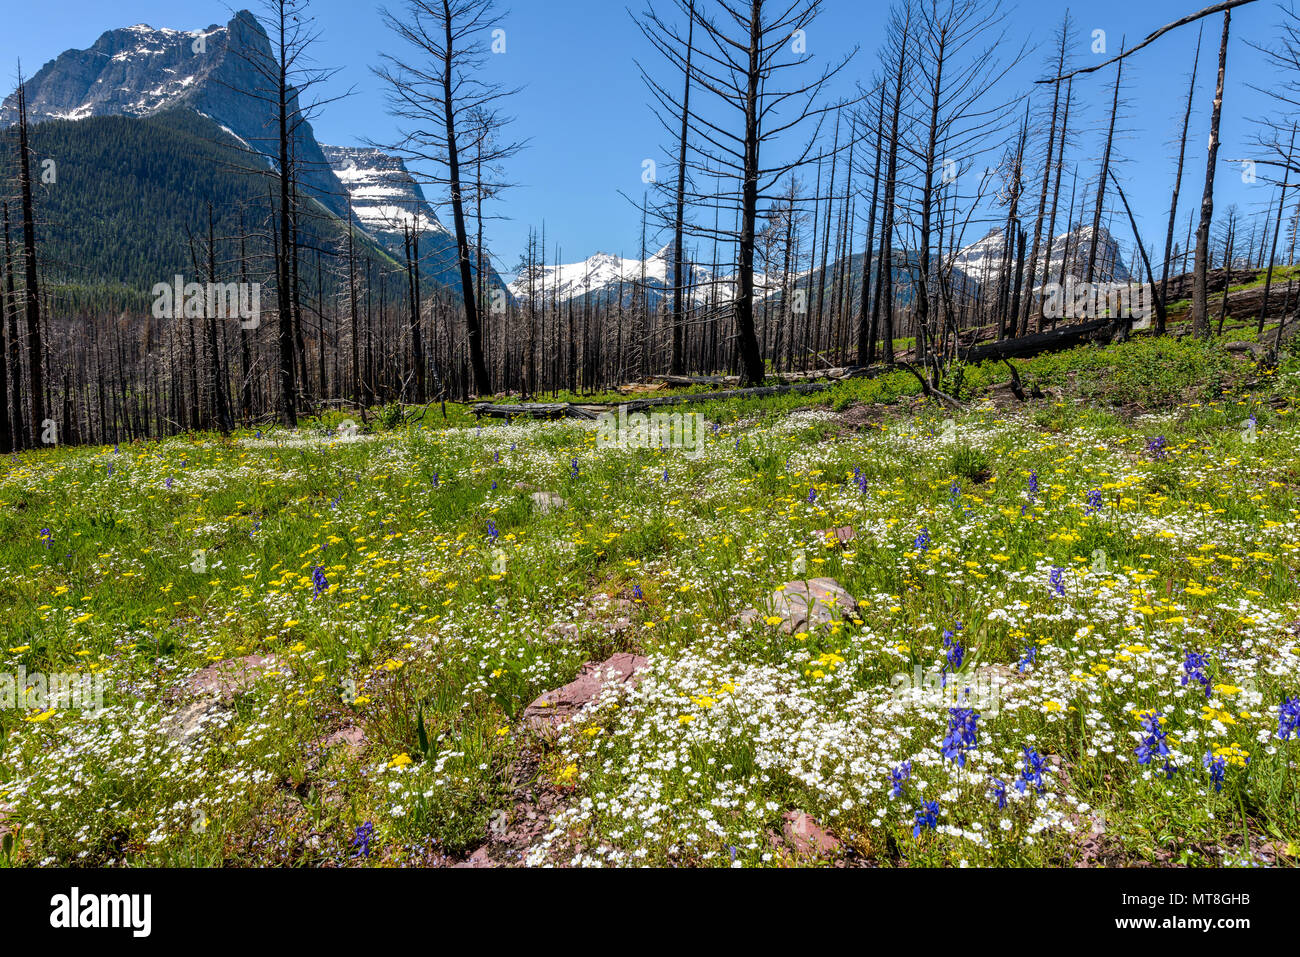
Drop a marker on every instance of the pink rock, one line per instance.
(554, 708)
(225, 680)
(478, 859)
(807, 837)
(842, 535)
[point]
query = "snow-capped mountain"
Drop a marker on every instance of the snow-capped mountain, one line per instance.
(983, 260)
(220, 72)
(131, 71)
(223, 73)
(385, 196)
(603, 277)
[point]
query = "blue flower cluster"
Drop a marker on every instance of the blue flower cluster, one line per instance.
(1032, 775)
(1194, 670)
(1155, 744)
(961, 735)
(1288, 718)
(927, 816)
(899, 776)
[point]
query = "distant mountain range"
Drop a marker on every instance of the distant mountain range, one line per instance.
(207, 88)
(605, 277)
(220, 74)
(983, 261)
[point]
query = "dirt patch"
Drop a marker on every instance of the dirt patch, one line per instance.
(863, 416)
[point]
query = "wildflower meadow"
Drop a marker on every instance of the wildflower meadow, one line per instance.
(1052, 633)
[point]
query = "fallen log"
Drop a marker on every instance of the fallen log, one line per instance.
(686, 381)
(1039, 343)
(559, 410)
(537, 410)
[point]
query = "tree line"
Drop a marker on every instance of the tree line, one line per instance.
(805, 230)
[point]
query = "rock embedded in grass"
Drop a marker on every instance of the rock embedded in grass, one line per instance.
(802, 605)
(210, 692)
(189, 721)
(225, 680)
(808, 838)
(546, 502)
(552, 710)
(841, 536)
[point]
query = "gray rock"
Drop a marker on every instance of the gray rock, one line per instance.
(188, 723)
(545, 502)
(210, 692)
(803, 605)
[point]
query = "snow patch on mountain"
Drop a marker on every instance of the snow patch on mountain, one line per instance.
(385, 196)
(983, 260)
(604, 276)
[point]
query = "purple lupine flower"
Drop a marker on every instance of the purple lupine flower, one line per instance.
(927, 816)
(1288, 718)
(954, 654)
(1218, 766)
(900, 776)
(1154, 744)
(1194, 670)
(1057, 580)
(1032, 775)
(961, 735)
(361, 840)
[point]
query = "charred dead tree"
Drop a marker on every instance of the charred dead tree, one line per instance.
(31, 285)
(1200, 298)
(1162, 299)
(441, 96)
(749, 44)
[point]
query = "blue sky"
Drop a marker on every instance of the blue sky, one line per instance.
(585, 111)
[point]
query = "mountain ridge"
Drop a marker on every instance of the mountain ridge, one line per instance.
(139, 72)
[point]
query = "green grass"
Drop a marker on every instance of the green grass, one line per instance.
(147, 563)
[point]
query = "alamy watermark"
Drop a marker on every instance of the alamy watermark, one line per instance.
(675, 430)
(215, 300)
(58, 691)
(1097, 300)
(934, 688)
